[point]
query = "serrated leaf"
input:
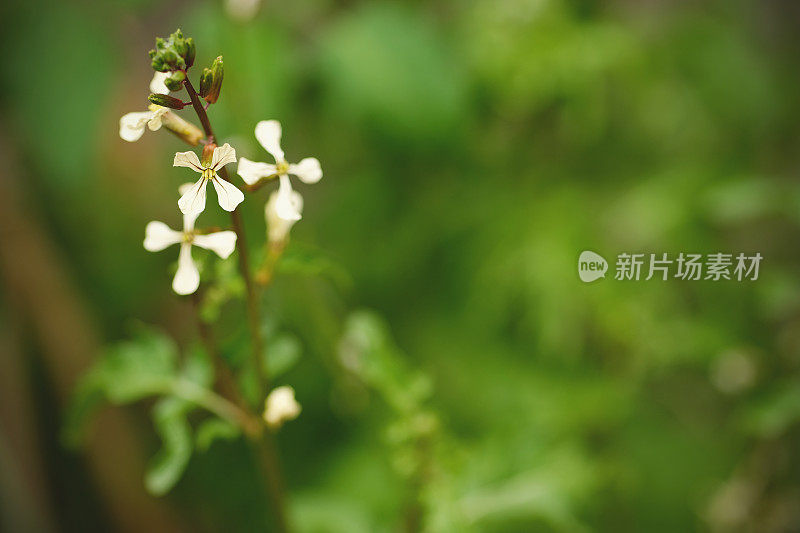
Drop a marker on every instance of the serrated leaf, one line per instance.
(213, 429)
(166, 468)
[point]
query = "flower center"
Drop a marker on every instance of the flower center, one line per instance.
(281, 168)
(188, 237)
(208, 173)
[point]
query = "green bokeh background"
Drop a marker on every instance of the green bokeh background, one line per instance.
(471, 150)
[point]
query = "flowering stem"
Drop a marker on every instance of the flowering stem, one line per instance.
(244, 263)
(263, 441)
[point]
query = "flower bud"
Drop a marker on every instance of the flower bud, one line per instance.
(280, 406)
(205, 82)
(175, 81)
(190, 53)
(208, 154)
(158, 64)
(216, 81)
(186, 131)
(166, 100)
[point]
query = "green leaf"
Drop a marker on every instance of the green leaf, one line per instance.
(127, 372)
(367, 349)
(213, 429)
(169, 417)
(135, 369)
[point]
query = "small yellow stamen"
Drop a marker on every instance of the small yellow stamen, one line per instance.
(208, 173)
(282, 168)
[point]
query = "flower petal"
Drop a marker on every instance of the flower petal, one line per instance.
(268, 133)
(131, 125)
(285, 206)
(308, 170)
(188, 222)
(194, 200)
(222, 243)
(157, 83)
(228, 195)
(222, 156)
(187, 159)
(158, 236)
(187, 278)
(278, 228)
(184, 188)
(155, 120)
(252, 171)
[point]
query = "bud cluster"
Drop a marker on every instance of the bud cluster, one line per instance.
(174, 54)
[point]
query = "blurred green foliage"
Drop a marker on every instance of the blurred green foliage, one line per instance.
(471, 150)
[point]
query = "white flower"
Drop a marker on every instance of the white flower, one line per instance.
(280, 406)
(268, 133)
(194, 201)
(131, 125)
(159, 236)
(157, 85)
(278, 227)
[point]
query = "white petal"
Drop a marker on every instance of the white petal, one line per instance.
(155, 121)
(228, 195)
(158, 236)
(189, 220)
(157, 83)
(187, 278)
(187, 159)
(194, 200)
(252, 171)
(308, 170)
(184, 188)
(268, 133)
(222, 242)
(222, 156)
(284, 204)
(131, 125)
(278, 228)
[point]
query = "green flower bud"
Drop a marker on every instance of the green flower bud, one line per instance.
(175, 81)
(190, 53)
(159, 65)
(170, 58)
(205, 82)
(217, 74)
(166, 100)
